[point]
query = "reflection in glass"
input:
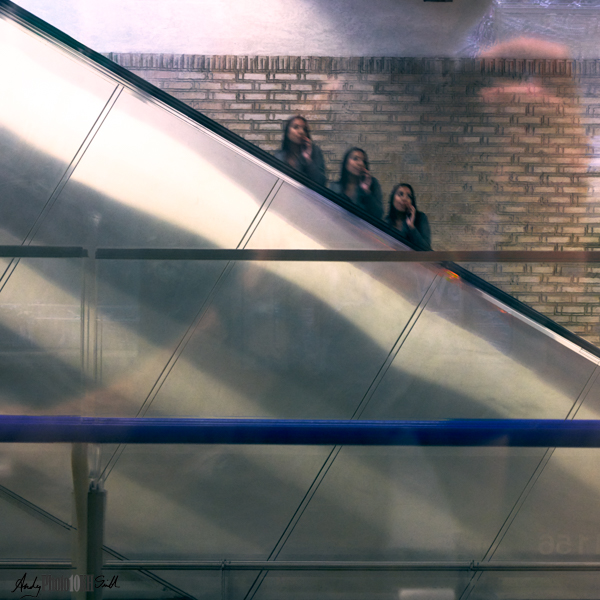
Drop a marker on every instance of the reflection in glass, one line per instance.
(270, 339)
(41, 341)
(40, 133)
(469, 357)
(282, 339)
(559, 519)
(408, 504)
(152, 179)
(205, 502)
(35, 502)
(538, 586)
(362, 585)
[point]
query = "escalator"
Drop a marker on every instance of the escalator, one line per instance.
(94, 157)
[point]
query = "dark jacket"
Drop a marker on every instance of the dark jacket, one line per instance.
(420, 235)
(315, 169)
(368, 201)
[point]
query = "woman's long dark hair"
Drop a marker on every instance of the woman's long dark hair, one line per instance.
(286, 145)
(393, 212)
(344, 175)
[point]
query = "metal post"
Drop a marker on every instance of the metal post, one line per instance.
(96, 509)
(79, 466)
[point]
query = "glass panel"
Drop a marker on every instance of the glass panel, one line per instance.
(277, 339)
(210, 585)
(590, 402)
(470, 357)
(537, 586)
(205, 502)
(559, 519)
(40, 132)
(38, 475)
(145, 309)
(25, 537)
(153, 179)
(301, 219)
(411, 504)
(565, 292)
(41, 344)
(35, 501)
(362, 586)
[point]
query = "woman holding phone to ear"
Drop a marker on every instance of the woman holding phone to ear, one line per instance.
(357, 184)
(404, 216)
(298, 151)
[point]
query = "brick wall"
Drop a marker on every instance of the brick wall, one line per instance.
(501, 153)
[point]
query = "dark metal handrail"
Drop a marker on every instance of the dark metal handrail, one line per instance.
(43, 252)
(460, 432)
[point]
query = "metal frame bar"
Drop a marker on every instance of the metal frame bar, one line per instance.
(471, 256)
(290, 565)
(199, 254)
(43, 252)
(240, 565)
(462, 433)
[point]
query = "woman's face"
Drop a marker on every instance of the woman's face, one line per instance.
(355, 164)
(297, 132)
(402, 199)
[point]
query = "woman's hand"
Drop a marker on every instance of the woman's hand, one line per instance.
(365, 181)
(411, 213)
(307, 149)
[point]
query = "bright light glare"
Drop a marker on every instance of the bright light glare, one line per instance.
(49, 100)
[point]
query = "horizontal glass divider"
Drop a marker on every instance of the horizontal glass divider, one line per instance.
(200, 254)
(242, 565)
(310, 565)
(36, 564)
(347, 255)
(43, 252)
(305, 432)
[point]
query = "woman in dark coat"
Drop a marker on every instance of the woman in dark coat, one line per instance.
(298, 151)
(403, 215)
(357, 184)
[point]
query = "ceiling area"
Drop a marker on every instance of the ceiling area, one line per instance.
(324, 27)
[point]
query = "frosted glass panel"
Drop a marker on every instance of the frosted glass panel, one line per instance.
(559, 519)
(362, 586)
(35, 502)
(300, 218)
(209, 585)
(52, 104)
(145, 310)
(41, 343)
(153, 179)
(411, 504)
(468, 357)
(537, 586)
(205, 502)
(284, 340)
